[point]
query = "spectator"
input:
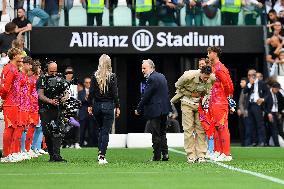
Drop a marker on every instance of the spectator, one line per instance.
(34, 10)
(278, 65)
(19, 43)
(274, 47)
(243, 112)
(277, 30)
(3, 5)
(7, 37)
(194, 12)
(273, 114)
(53, 8)
(145, 11)
(272, 18)
(210, 9)
(230, 12)
(95, 9)
(166, 10)
(259, 76)
(279, 8)
(23, 24)
(257, 92)
(86, 121)
(250, 11)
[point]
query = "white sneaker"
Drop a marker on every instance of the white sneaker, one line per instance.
(9, 159)
(41, 151)
(214, 156)
(190, 160)
(32, 154)
(223, 157)
(102, 160)
(201, 160)
(77, 146)
(26, 156)
(71, 146)
(208, 155)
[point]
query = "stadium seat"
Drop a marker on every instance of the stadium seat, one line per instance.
(182, 16)
(61, 20)
(106, 17)
(77, 16)
(122, 16)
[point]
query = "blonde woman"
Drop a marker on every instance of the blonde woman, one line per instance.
(103, 100)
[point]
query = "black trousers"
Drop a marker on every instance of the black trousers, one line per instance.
(53, 141)
(104, 117)
(91, 17)
(272, 129)
(256, 121)
(159, 138)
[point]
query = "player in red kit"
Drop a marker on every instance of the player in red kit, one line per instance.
(221, 92)
(8, 92)
(34, 116)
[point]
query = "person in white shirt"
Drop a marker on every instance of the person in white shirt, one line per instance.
(3, 4)
(279, 8)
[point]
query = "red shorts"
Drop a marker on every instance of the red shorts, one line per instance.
(11, 116)
(34, 118)
(24, 118)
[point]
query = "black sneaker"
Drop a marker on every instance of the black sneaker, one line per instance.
(154, 158)
(165, 157)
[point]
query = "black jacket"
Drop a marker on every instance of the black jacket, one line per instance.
(155, 100)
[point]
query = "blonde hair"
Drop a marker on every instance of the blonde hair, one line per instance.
(103, 73)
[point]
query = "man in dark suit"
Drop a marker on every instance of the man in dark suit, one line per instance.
(273, 107)
(86, 120)
(257, 92)
(155, 105)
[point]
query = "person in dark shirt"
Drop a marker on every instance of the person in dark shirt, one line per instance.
(23, 24)
(7, 37)
(103, 99)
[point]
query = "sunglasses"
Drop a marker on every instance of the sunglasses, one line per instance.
(69, 72)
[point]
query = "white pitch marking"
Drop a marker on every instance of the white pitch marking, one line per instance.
(276, 180)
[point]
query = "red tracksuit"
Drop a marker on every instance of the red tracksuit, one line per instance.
(8, 91)
(218, 108)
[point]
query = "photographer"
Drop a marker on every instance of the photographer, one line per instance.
(52, 92)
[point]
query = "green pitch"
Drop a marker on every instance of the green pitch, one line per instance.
(131, 168)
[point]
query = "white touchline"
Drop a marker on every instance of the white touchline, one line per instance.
(276, 180)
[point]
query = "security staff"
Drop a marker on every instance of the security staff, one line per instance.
(95, 9)
(146, 11)
(191, 86)
(52, 92)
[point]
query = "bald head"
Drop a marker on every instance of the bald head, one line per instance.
(52, 68)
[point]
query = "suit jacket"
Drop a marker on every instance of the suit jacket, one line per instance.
(243, 103)
(83, 111)
(268, 103)
(262, 90)
(155, 100)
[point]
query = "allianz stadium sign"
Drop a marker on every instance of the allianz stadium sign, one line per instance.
(125, 40)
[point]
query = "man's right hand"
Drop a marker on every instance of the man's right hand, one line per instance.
(90, 110)
(54, 102)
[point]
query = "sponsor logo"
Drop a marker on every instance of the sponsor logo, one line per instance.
(142, 40)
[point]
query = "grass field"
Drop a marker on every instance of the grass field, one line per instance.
(131, 168)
